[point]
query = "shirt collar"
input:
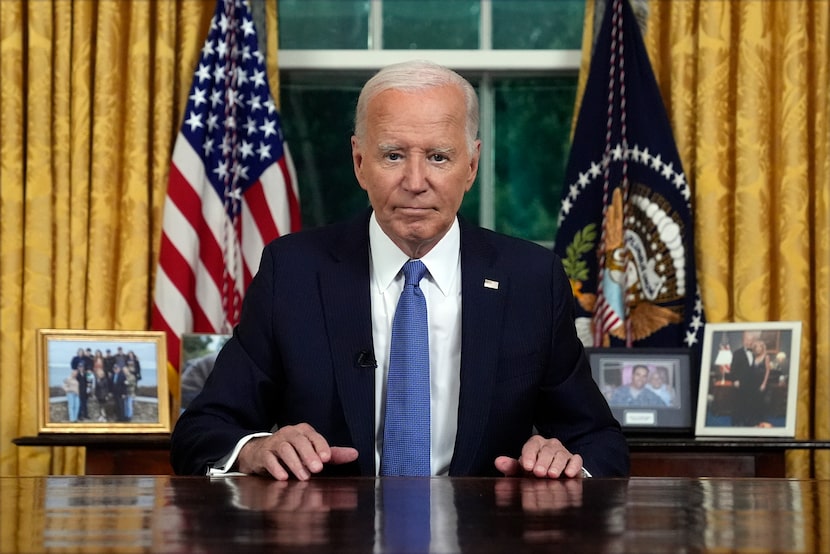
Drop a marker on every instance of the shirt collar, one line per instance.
(441, 261)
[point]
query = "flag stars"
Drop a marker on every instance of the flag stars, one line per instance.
(240, 171)
(194, 121)
(246, 149)
(645, 156)
(566, 206)
(573, 191)
(212, 122)
(221, 170)
(255, 103)
(656, 162)
(222, 48)
(617, 153)
(224, 24)
(264, 151)
(215, 98)
(668, 170)
(691, 338)
(259, 78)
(583, 180)
(248, 27)
(198, 97)
(203, 73)
(241, 76)
(269, 128)
(270, 105)
(250, 126)
(207, 146)
(219, 74)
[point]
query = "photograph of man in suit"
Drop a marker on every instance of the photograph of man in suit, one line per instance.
(300, 388)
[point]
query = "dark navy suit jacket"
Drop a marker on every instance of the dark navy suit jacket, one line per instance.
(295, 357)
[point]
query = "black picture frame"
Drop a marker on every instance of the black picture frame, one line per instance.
(650, 409)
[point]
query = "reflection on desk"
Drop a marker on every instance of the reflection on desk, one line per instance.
(252, 514)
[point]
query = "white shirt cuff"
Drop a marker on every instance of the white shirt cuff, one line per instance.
(223, 466)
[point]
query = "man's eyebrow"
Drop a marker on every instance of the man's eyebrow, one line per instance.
(388, 147)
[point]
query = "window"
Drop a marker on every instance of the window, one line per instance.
(522, 56)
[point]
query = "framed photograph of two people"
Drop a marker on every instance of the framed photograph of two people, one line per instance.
(102, 382)
(749, 379)
(648, 389)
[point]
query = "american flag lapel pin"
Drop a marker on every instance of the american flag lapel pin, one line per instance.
(490, 284)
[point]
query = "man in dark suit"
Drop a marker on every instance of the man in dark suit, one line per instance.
(299, 388)
(743, 358)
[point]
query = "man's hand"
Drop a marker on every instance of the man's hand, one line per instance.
(544, 458)
(296, 450)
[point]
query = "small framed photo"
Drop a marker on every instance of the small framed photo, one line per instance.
(199, 351)
(749, 379)
(102, 382)
(648, 389)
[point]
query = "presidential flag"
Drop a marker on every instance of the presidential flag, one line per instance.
(232, 186)
(625, 231)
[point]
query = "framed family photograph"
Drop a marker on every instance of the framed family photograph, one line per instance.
(199, 351)
(102, 381)
(749, 379)
(648, 389)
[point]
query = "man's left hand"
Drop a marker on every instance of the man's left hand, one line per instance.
(543, 458)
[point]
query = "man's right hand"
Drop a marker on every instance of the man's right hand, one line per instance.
(296, 450)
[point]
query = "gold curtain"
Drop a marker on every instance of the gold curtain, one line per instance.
(92, 99)
(747, 89)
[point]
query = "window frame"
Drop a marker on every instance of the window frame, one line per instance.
(484, 63)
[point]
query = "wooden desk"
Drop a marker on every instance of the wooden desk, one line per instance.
(710, 457)
(114, 454)
(650, 457)
(252, 514)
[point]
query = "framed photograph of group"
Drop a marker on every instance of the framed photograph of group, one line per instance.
(749, 379)
(102, 382)
(648, 389)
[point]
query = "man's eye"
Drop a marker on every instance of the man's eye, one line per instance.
(393, 156)
(439, 158)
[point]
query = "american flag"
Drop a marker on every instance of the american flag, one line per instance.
(232, 186)
(625, 233)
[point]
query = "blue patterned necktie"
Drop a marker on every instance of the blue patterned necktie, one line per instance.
(406, 446)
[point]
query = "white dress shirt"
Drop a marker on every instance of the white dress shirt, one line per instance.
(442, 290)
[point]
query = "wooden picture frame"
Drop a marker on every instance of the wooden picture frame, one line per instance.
(199, 351)
(749, 394)
(119, 393)
(660, 402)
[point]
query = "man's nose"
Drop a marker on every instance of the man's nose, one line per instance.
(415, 174)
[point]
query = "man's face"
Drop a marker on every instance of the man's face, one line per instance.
(415, 165)
(639, 377)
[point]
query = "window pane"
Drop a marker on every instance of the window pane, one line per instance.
(323, 24)
(532, 133)
(431, 24)
(317, 112)
(538, 24)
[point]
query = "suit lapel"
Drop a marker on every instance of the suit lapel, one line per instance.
(344, 286)
(484, 287)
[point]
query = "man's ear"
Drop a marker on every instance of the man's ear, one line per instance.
(357, 161)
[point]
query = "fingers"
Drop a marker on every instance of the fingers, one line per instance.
(508, 466)
(294, 450)
(549, 458)
(342, 455)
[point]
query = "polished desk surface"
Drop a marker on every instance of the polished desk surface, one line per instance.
(252, 514)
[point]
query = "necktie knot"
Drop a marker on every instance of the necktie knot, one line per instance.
(413, 272)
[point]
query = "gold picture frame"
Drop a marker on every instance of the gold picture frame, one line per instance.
(96, 382)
